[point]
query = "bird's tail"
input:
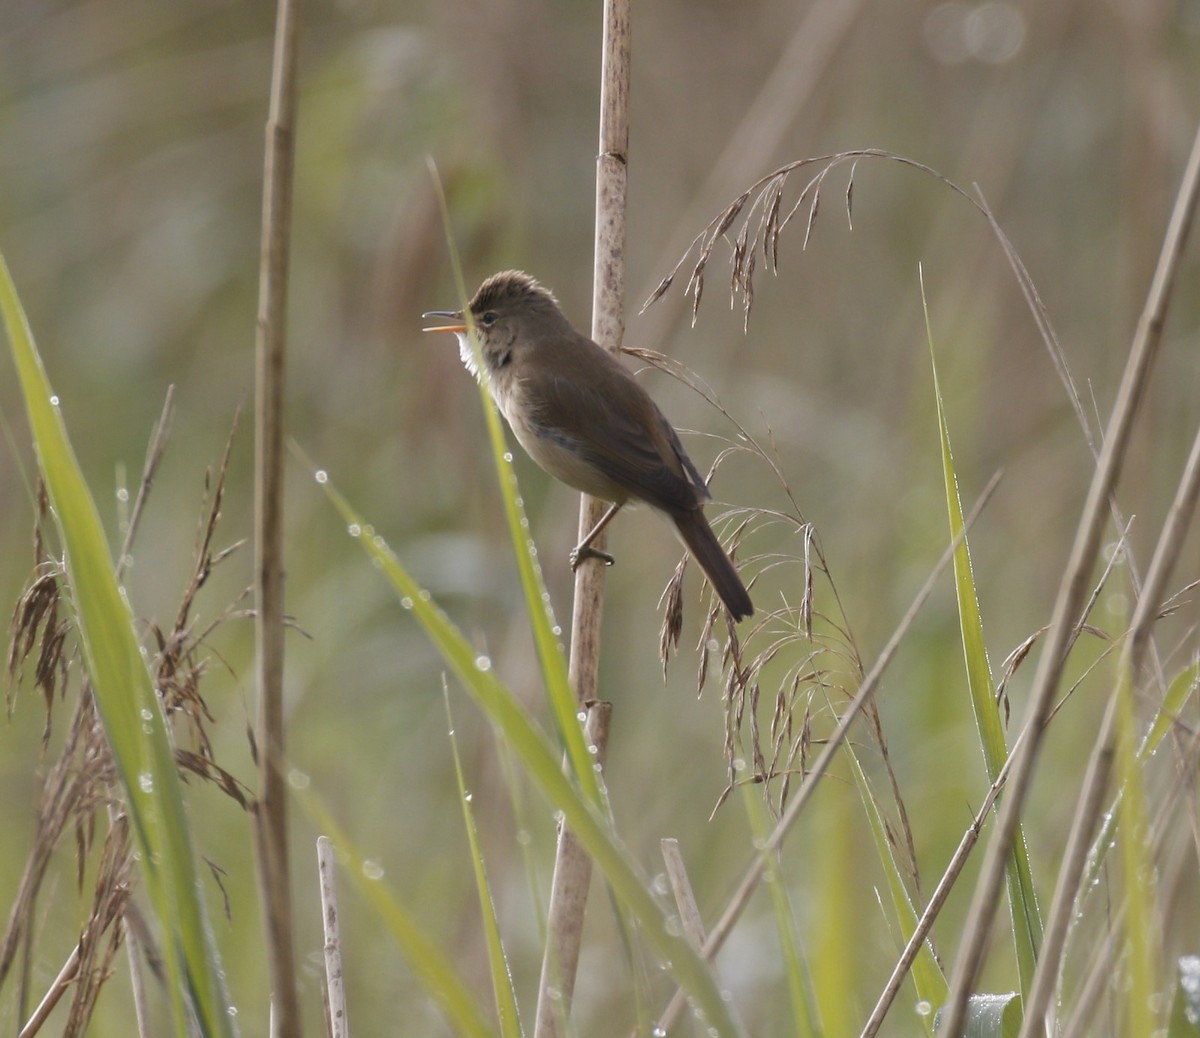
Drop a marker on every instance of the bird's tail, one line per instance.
(707, 551)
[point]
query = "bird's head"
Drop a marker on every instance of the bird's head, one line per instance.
(508, 310)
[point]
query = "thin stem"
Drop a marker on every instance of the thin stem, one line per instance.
(339, 1026)
(270, 349)
(568, 905)
(1166, 553)
(608, 328)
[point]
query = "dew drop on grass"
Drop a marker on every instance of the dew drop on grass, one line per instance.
(483, 663)
(406, 602)
(53, 399)
(122, 493)
(372, 869)
(468, 797)
(354, 530)
(508, 456)
(146, 782)
(924, 1008)
(298, 779)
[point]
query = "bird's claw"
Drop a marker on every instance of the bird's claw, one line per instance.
(581, 555)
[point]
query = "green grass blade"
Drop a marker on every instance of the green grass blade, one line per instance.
(805, 1021)
(546, 632)
(502, 985)
(926, 974)
(540, 759)
(125, 699)
(993, 1016)
(1142, 937)
(1022, 898)
(432, 968)
(1181, 689)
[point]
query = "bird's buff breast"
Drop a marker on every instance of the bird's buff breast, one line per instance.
(553, 451)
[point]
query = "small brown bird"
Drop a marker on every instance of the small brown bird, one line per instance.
(585, 420)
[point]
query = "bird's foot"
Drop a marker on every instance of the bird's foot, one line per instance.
(581, 554)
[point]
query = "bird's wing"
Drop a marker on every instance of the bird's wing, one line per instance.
(646, 458)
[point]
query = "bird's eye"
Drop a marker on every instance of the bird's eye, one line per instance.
(488, 319)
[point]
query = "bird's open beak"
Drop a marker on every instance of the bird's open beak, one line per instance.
(457, 315)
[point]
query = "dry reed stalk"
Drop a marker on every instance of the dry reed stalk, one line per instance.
(568, 904)
(270, 347)
(573, 871)
(335, 979)
(1072, 590)
(690, 920)
(1095, 784)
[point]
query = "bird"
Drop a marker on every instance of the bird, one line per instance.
(584, 419)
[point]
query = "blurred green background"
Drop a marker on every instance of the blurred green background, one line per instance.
(131, 138)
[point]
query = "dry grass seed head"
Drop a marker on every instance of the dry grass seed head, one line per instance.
(110, 895)
(672, 622)
(767, 193)
(36, 621)
(704, 648)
